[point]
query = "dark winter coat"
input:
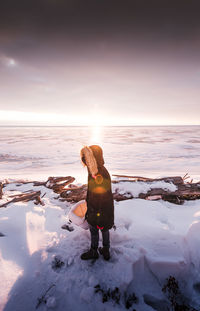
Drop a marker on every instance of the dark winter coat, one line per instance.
(100, 206)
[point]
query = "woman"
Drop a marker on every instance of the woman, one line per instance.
(100, 206)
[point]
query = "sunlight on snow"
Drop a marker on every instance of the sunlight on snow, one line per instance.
(9, 272)
(197, 214)
(34, 229)
(36, 235)
(96, 135)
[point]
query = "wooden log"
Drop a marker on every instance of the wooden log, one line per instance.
(51, 182)
(25, 197)
(55, 180)
(184, 192)
(121, 197)
(59, 183)
(174, 179)
(179, 199)
(153, 192)
(20, 182)
(74, 194)
(136, 178)
(154, 197)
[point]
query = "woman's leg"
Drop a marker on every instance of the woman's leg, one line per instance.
(106, 245)
(92, 253)
(106, 238)
(94, 237)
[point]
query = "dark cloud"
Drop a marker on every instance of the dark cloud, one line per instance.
(100, 18)
(59, 54)
(93, 27)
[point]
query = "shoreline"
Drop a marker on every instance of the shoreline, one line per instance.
(81, 178)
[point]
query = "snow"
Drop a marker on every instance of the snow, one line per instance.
(135, 188)
(153, 240)
(51, 303)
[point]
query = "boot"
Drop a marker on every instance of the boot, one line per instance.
(105, 252)
(91, 254)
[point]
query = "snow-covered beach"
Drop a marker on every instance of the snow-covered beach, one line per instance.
(40, 263)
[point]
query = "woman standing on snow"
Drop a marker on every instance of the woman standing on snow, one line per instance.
(100, 206)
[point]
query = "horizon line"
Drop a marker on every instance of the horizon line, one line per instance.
(138, 125)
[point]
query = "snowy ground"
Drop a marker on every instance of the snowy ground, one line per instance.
(153, 240)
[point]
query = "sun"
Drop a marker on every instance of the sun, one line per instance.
(96, 133)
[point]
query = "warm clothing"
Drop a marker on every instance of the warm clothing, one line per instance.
(100, 205)
(87, 157)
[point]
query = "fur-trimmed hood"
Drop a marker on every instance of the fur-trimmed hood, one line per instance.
(92, 156)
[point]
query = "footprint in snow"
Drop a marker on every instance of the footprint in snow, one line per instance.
(57, 263)
(67, 227)
(127, 225)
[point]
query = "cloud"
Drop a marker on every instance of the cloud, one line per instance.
(8, 61)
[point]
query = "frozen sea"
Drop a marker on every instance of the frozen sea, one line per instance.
(156, 151)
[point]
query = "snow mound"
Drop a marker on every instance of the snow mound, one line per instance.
(135, 188)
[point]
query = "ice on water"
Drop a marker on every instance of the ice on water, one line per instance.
(151, 151)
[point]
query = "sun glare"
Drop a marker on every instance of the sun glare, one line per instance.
(96, 135)
(33, 118)
(96, 120)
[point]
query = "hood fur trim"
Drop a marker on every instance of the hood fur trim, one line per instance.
(90, 160)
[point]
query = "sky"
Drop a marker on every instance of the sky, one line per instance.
(87, 62)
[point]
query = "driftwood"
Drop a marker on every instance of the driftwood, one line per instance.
(176, 180)
(134, 178)
(58, 184)
(72, 193)
(25, 197)
(184, 192)
(121, 197)
(76, 194)
(55, 183)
